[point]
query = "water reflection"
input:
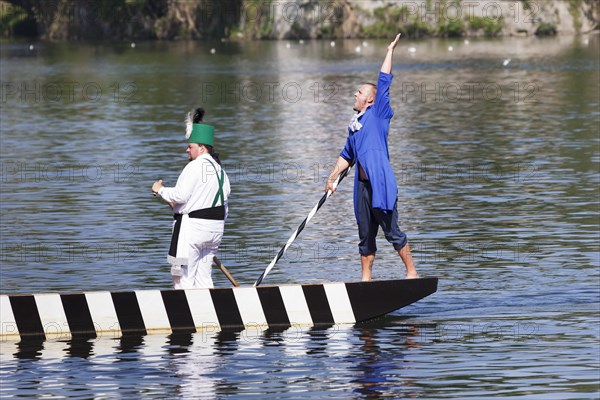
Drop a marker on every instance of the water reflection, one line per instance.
(371, 369)
(79, 347)
(179, 343)
(192, 365)
(129, 348)
(29, 350)
(379, 359)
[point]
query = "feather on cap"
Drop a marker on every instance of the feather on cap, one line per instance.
(188, 125)
(191, 120)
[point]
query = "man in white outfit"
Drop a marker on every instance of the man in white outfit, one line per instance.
(199, 201)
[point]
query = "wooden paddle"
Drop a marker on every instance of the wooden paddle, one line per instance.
(302, 225)
(225, 271)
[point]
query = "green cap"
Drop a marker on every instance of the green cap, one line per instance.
(202, 134)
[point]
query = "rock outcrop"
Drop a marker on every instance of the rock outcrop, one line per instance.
(293, 19)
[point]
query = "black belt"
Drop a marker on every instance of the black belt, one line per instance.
(213, 213)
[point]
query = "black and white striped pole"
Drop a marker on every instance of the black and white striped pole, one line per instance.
(302, 225)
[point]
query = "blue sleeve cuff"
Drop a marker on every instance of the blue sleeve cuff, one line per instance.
(345, 157)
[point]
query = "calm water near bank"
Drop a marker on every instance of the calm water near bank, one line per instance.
(496, 147)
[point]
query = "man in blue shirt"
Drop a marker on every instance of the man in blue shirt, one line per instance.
(375, 188)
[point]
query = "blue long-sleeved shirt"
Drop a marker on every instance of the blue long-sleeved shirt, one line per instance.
(368, 147)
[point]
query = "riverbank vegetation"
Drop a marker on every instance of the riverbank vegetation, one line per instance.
(290, 19)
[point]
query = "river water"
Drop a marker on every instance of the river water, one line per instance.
(495, 144)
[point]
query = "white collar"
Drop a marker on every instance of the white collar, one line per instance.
(354, 124)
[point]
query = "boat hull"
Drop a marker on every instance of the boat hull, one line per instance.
(113, 314)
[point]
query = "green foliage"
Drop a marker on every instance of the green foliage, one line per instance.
(451, 28)
(526, 4)
(377, 30)
(326, 32)
(417, 29)
(476, 23)
(14, 21)
(168, 19)
(266, 29)
(391, 20)
(490, 26)
(574, 10)
(256, 23)
(546, 29)
(297, 31)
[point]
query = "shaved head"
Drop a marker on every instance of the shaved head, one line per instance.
(371, 87)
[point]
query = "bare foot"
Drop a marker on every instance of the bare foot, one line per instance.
(412, 275)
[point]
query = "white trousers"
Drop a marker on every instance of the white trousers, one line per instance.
(198, 272)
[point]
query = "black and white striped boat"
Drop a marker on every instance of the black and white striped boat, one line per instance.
(113, 314)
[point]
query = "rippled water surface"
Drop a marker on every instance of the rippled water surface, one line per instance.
(498, 170)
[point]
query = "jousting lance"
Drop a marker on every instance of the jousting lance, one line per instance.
(302, 226)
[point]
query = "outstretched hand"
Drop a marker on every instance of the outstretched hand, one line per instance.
(392, 45)
(386, 67)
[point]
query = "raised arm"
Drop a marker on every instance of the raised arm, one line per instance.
(386, 67)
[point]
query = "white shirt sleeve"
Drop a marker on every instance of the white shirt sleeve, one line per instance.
(183, 189)
(197, 186)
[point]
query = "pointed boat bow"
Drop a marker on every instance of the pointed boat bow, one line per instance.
(376, 298)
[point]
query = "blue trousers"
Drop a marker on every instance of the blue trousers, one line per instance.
(370, 219)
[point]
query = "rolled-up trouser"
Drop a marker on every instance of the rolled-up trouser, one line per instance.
(370, 219)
